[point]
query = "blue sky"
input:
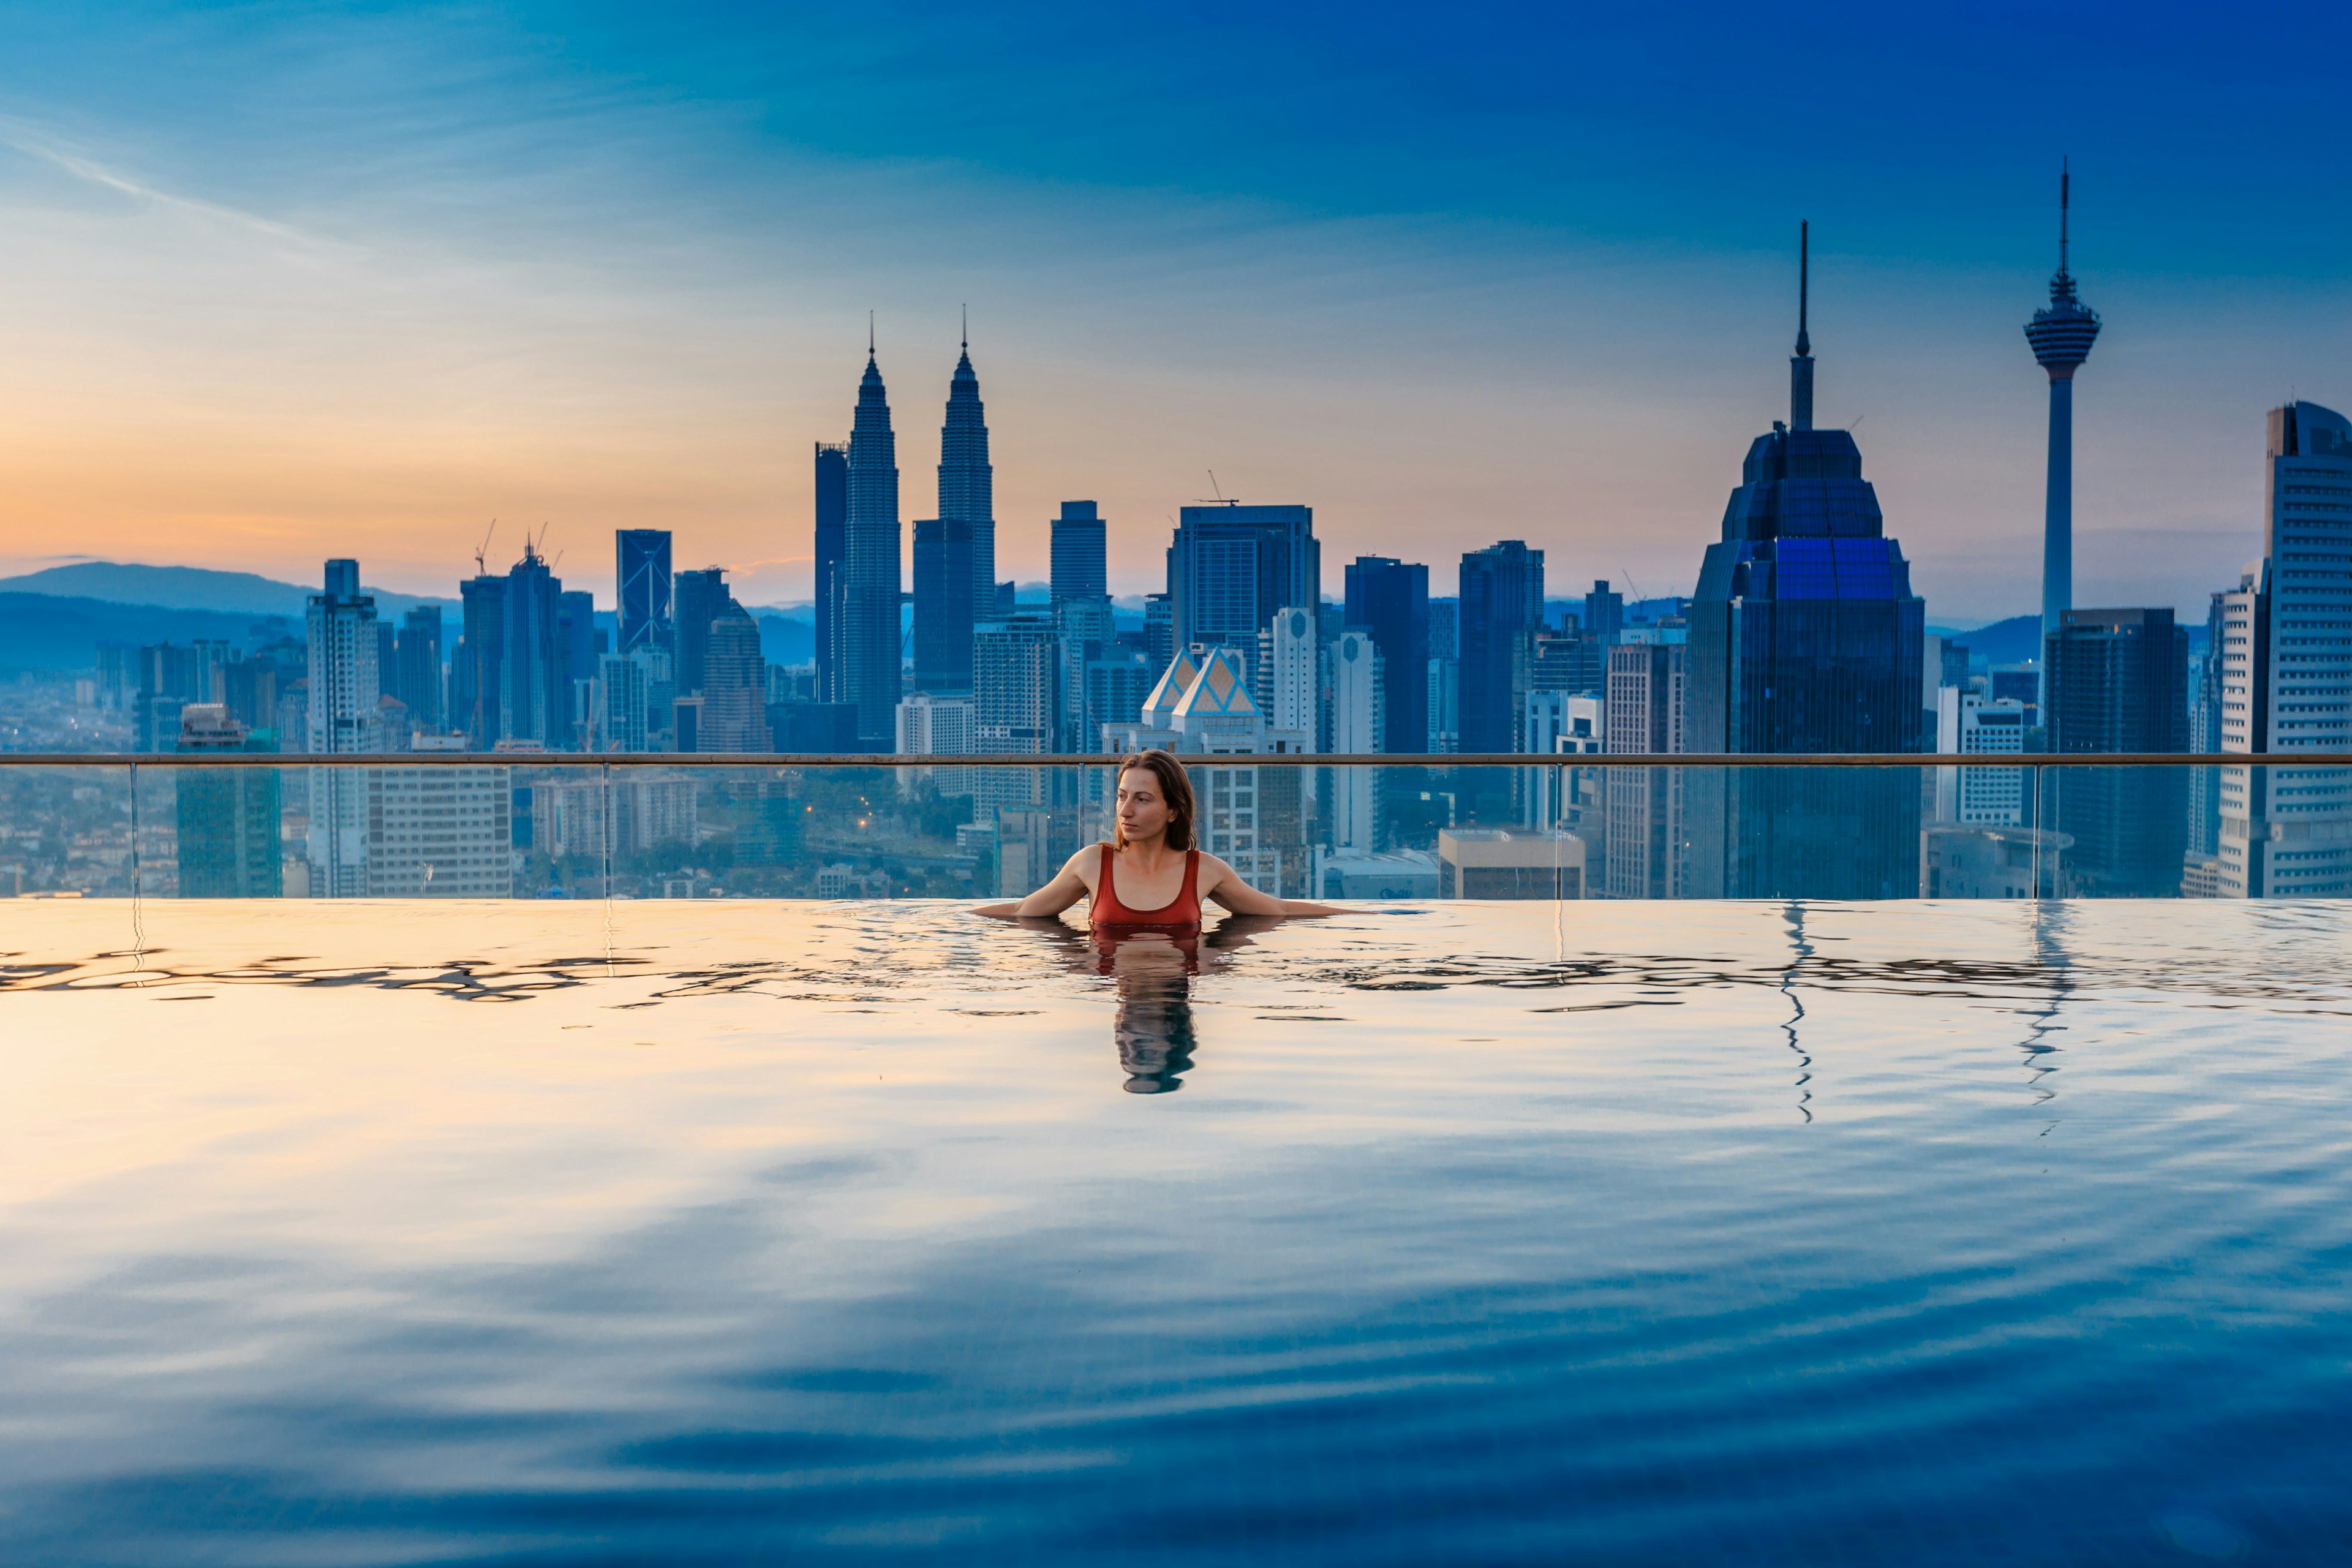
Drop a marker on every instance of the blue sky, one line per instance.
(298, 281)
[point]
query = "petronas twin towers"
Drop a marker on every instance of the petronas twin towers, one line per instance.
(872, 542)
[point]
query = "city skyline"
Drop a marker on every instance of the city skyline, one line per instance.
(330, 322)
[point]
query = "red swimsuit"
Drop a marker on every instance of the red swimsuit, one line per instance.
(1183, 911)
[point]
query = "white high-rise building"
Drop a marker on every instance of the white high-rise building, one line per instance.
(346, 692)
(1355, 728)
(439, 833)
(1291, 645)
(933, 726)
(1647, 855)
(1969, 723)
(2286, 672)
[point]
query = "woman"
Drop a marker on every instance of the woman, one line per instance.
(1152, 878)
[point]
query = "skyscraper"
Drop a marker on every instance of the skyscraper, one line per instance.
(1079, 549)
(702, 598)
(641, 571)
(869, 640)
(227, 817)
(1082, 614)
(1604, 614)
(2286, 673)
(734, 685)
(344, 689)
(832, 536)
(1390, 599)
(419, 656)
(967, 483)
(2062, 334)
(1643, 807)
(476, 672)
(538, 699)
(943, 600)
(1231, 568)
(1804, 636)
(1356, 707)
(1502, 605)
(2116, 680)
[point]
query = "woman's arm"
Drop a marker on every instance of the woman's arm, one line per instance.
(1065, 889)
(1223, 883)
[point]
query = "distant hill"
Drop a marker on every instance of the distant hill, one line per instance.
(787, 640)
(2018, 638)
(190, 588)
(44, 631)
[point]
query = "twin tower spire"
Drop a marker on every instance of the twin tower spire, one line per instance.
(872, 538)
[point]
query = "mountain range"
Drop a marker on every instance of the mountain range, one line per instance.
(190, 588)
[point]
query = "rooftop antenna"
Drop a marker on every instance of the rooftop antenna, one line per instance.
(1800, 365)
(869, 335)
(2065, 182)
(967, 327)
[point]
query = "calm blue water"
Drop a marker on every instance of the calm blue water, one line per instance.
(1609, 1233)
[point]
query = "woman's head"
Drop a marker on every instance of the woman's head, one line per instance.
(1155, 796)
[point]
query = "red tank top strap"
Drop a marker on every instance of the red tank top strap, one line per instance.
(1188, 897)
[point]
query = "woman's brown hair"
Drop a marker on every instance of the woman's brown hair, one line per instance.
(1175, 788)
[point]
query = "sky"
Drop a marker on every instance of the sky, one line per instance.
(278, 283)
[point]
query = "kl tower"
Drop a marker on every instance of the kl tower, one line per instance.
(2061, 335)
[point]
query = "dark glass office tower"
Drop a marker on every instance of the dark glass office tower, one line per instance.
(943, 603)
(1390, 599)
(641, 570)
(1804, 636)
(1080, 553)
(477, 673)
(702, 598)
(1604, 615)
(1502, 605)
(1231, 568)
(869, 629)
(418, 664)
(2116, 680)
(538, 704)
(832, 535)
(967, 481)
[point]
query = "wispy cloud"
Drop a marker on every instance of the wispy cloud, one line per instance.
(36, 141)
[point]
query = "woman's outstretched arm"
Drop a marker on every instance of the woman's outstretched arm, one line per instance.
(1066, 888)
(1223, 883)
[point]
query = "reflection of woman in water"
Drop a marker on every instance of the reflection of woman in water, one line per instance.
(1144, 894)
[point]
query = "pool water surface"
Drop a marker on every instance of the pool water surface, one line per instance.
(732, 1232)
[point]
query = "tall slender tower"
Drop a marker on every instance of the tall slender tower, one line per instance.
(2061, 335)
(1801, 363)
(869, 568)
(967, 483)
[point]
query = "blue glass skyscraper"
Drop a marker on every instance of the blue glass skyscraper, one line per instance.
(641, 571)
(1080, 553)
(943, 601)
(1390, 599)
(1804, 636)
(1502, 589)
(1231, 568)
(832, 535)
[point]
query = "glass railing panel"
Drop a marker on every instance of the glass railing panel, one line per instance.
(1589, 828)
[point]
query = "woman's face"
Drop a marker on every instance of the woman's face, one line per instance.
(1142, 808)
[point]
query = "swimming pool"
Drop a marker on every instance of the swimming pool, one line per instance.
(542, 1233)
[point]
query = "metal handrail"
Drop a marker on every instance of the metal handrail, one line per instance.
(1106, 759)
